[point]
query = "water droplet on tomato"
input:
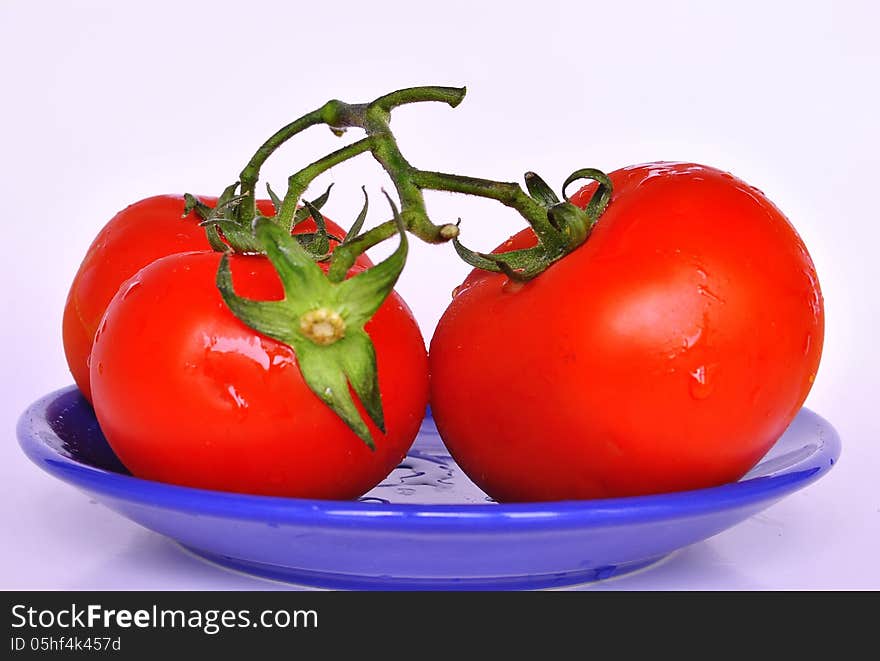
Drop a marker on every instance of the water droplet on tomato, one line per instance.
(101, 328)
(132, 285)
(807, 343)
(245, 347)
(100, 368)
(240, 401)
(455, 291)
(512, 286)
(708, 293)
(690, 340)
(814, 295)
(700, 385)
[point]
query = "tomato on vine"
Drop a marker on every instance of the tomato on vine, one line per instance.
(668, 351)
(187, 393)
(657, 331)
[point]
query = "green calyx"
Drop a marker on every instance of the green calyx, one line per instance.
(561, 228)
(322, 320)
(226, 230)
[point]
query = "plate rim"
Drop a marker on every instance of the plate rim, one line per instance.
(32, 424)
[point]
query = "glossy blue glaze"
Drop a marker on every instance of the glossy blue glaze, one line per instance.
(426, 526)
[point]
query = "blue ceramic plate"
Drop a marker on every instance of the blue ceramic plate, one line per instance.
(426, 526)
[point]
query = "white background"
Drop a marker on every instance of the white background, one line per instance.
(105, 103)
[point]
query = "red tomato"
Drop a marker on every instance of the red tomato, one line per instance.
(136, 236)
(186, 393)
(668, 352)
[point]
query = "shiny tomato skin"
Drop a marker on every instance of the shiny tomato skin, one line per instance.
(134, 237)
(187, 394)
(669, 352)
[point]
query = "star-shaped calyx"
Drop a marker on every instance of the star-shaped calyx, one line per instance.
(322, 320)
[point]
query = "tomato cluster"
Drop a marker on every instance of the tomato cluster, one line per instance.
(188, 394)
(655, 332)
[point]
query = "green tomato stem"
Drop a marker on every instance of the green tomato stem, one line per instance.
(251, 172)
(508, 193)
(298, 182)
(558, 225)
